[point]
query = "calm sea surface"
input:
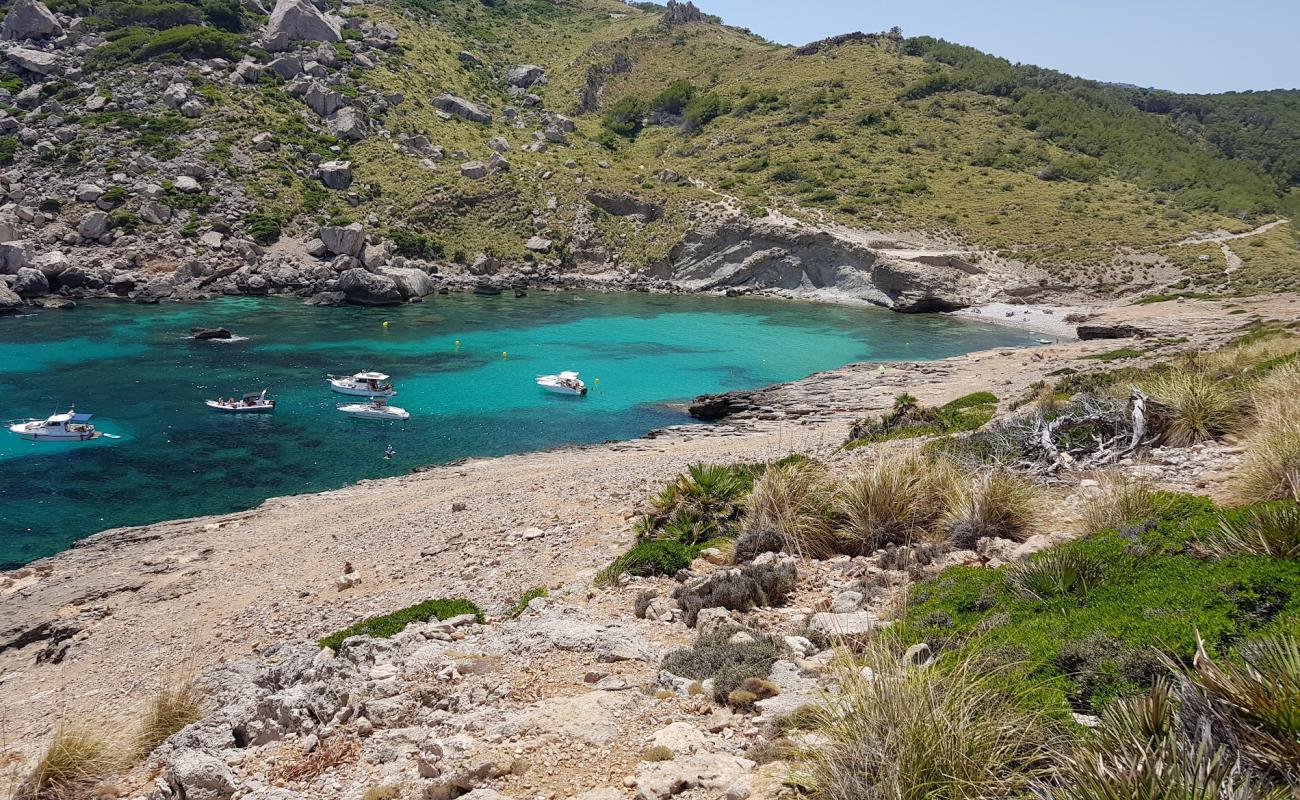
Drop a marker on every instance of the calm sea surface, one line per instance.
(133, 367)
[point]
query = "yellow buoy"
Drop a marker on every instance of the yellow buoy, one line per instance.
(385, 323)
(503, 354)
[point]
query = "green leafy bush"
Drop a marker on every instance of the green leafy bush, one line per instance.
(264, 227)
(909, 419)
(392, 624)
(1149, 588)
(143, 44)
(527, 597)
(414, 245)
(625, 118)
(673, 99)
(651, 557)
(8, 147)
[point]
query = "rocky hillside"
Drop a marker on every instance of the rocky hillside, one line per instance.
(381, 151)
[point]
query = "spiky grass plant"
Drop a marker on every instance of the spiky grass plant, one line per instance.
(78, 757)
(172, 708)
(1140, 753)
(1121, 500)
(961, 731)
(1056, 572)
(1271, 467)
(995, 503)
(1193, 406)
(1272, 530)
(794, 500)
(1256, 700)
(897, 500)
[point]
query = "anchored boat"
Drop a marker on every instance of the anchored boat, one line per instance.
(363, 384)
(564, 383)
(252, 403)
(377, 408)
(69, 427)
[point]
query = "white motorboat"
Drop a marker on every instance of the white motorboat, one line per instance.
(363, 384)
(252, 403)
(377, 408)
(69, 427)
(564, 383)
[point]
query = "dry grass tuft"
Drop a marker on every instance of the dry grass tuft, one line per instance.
(1194, 406)
(897, 500)
(169, 711)
(794, 499)
(1271, 468)
(998, 504)
(961, 731)
(1121, 500)
(77, 759)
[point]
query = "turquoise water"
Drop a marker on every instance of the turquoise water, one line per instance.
(133, 368)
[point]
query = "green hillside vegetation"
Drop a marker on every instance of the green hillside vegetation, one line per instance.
(878, 132)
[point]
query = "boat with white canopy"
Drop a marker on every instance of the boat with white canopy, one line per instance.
(563, 383)
(362, 384)
(68, 427)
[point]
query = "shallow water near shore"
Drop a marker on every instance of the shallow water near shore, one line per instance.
(133, 367)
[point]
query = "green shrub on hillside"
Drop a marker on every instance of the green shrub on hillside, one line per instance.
(144, 44)
(392, 624)
(1084, 619)
(625, 117)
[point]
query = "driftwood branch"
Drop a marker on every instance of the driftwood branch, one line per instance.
(1111, 434)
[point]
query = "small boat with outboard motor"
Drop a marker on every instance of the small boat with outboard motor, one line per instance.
(563, 383)
(252, 403)
(67, 427)
(377, 408)
(362, 384)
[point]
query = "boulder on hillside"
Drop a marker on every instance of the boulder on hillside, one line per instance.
(345, 240)
(35, 61)
(474, 170)
(287, 67)
(93, 225)
(368, 289)
(347, 123)
(298, 20)
(29, 19)
(460, 107)
(323, 101)
(524, 75)
(336, 174)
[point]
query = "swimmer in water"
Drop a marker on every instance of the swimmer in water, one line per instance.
(388, 454)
